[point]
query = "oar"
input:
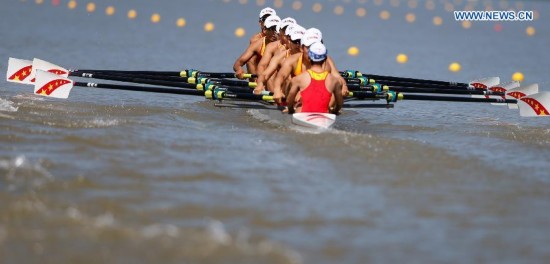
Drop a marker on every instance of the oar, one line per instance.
(481, 84)
(533, 105)
(183, 73)
(379, 78)
(180, 84)
(52, 85)
(190, 80)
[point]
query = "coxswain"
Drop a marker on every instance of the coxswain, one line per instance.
(257, 48)
(315, 86)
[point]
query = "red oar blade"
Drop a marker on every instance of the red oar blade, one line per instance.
(485, 83)
(535, 105)
(52, 85)
(520, 92)
(19, 71)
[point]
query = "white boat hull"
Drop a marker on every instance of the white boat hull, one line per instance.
(314, 120)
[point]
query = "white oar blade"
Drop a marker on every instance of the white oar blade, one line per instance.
(52, 85)
(19, 71)
(485, 83)
(535, 105)
(502, 88)
(314, 120)
(520, 92)
(38, 64)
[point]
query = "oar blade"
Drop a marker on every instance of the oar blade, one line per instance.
(38, 64)
(52, 85)
(520, 92)
(502, 88)
(535, 105)
(485, 83)
(19, 71)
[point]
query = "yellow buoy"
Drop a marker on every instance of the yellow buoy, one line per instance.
(239, 32)
(517, 76)
(39, 2)
(410, 17)
(338, 10)
(90, 7)
(530, 31)
(385, 15)
(455, 67)
(297, 5)
(71, 4)
(110, 10)
(402, 58)
(438, 20)
(132, 14)
(260, 2)
(181, 22)
(466, 24)
(155, 18)
(278, 3)
(353, 51)
(208, 27)
(361, 12)
(317, 7)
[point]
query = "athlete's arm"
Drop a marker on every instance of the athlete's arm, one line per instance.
(245, 57)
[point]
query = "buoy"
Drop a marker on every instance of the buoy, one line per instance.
(455, 67)
(155, 18)
(239, 32)
(181, 22)
(530, 31)
(517, 76)
(208, 27)
(353, 51)
(402, 58)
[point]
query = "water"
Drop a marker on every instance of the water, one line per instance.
(128, 177)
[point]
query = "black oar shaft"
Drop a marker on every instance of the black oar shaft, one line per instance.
(157, 73)
(380, 78)
(180, 84)
(140, 88)
(455, 99)
(443, 91)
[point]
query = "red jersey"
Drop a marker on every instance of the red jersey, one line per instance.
(316, 97)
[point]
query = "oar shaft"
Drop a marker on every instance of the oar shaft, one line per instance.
(380, 78)
(443, 91)
(180, 84)
(156, 73)
(140, 88)
(219, 95)
(454, 99)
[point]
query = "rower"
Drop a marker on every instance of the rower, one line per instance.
(267, 78)
(316, 86)
(276, 46)
(264, 14)
(296, 63)
(257, 48)
(292, 66)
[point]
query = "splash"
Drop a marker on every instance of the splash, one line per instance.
(7, 106)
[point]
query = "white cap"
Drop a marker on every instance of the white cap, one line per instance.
(297, 32)
(272, 21)
(311, 36)
(267, 11)
(317, 52)
(285, 23)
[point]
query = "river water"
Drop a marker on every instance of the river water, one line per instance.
(128, 177)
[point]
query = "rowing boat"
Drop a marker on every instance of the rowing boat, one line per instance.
(53, 81)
